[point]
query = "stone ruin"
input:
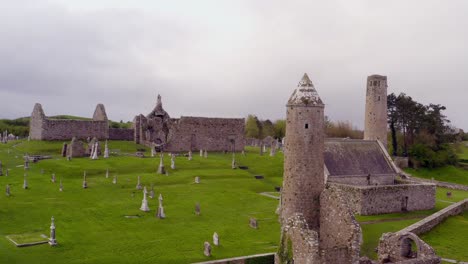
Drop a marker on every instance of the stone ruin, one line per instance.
(188, 133)
(317, 222)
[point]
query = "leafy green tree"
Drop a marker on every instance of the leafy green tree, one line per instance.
(280, 128)
(252, 129)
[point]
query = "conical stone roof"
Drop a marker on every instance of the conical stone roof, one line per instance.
(305, 94)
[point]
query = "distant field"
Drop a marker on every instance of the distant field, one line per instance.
(446, 174)
(464, 154)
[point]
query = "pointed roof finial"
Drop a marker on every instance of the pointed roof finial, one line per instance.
(305, 81)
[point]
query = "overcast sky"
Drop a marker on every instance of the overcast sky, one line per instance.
(228, 58)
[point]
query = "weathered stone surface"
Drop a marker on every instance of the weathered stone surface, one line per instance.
(253, 223)
(7, 190)
(114, 180)
(144, 203)
(138, 186)
(25, 182)
(85, 183)
(375, 126)
(52, 240)
(215, 239)
(161, 169)
(197, 180)
(207, 249)
(76, 148)
(398, 248)
(197, 209)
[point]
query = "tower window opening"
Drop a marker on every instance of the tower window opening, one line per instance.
(378, 99)
(306, 126)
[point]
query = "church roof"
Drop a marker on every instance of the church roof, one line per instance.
(305, 94)
(353, 157)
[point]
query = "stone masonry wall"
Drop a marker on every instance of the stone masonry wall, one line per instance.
(211, 134)
(67, 129)
(121, 134)
(370, 200)
(433, 220)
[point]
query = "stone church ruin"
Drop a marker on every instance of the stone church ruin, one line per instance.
(157, 130)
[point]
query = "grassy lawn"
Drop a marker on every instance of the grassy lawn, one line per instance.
(445, 174)
(91, 223)
(455, 246)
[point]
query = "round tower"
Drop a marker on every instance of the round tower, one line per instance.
(303, 179)
(375, 127)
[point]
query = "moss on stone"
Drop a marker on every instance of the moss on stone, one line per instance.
(285, 250)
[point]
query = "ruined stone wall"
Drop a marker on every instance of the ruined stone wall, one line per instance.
(121, 134)
(370, 200)
(211, 134)
(67, 129)
(433, 220)
(363, 180)
(375, 126)
(340, 233)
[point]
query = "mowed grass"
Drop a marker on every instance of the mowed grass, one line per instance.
(373, 226)
(91, 224)
(446, 174)
(455, 247)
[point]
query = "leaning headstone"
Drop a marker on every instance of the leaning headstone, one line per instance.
(161, 169)
(207, 250)
(107, 173)
(85, 184)
(190, 155)
(52, 240)
(91, 154)
(206, 154)
(172, 161)
(7, 190)
(106, 151)
(52, 179)
(144, 203)
(201, 153)
(114, 180)
(25, 182)
(95, 153)
(197, 209)
(197, 180)
(253, 223)
(215, 239)
(138, 186)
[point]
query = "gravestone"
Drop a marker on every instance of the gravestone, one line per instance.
(106, 151)
(26, 163)
(161, 169)
(61, 186)
(190, 155)
(197, 180)
(52, 179)
(161, 214)
(259, 177)
(52, 240)
(233, 164)
(243, 153)
(7, 190)
(6, 172)
(197, 209)
(253, 223)
(261, 150)
(160, 199)
(114, 180)
(215, 239)
(75, 149)
(85, 184)
(138, 186)
(172, 161)
(107, 173)
(151, 194)
(207, 249)
(25, 182)
(201, 153)
(206, 154)
(64, 149)
(273, 150)
(152, 151)
(144, 203)
(95, 153)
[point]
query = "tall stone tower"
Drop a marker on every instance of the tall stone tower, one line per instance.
(376, 109)
(303, 179)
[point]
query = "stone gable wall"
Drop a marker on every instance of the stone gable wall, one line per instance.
(371, 200)
(211, 134)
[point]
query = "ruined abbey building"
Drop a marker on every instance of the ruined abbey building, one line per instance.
(156, 130)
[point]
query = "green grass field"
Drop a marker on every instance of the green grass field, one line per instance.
(91, 227)
(446, 174)
(91, 223)
(464, 151)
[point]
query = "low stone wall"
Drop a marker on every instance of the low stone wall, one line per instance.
(448, 185)
(121, 134)
(260, 258)
(382, 199)
(361, 180)
(433, 220)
